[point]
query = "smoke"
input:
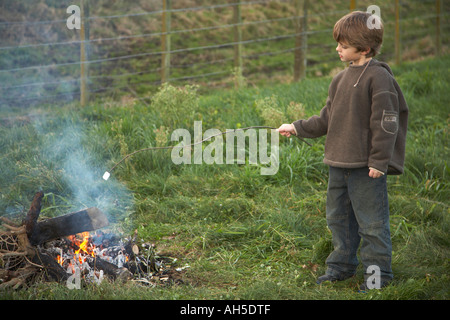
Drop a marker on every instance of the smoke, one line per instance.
(69, 149)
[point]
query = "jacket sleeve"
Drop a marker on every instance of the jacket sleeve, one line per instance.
(315, 126)
(384, 123)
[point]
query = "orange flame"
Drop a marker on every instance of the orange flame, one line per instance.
(60, 259)
(84, 246)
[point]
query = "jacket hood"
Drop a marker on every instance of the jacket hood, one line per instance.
(382, 64)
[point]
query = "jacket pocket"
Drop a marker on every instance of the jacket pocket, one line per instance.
(389, 121)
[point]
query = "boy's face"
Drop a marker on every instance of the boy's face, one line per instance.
(348, 53)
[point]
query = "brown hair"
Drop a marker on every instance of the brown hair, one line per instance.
(353, 30)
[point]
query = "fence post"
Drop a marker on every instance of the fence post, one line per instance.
(438, 27)
(397, 32)
(237, 21)
(352, 5)
(165, 41)
(84, 37)
(301, 41)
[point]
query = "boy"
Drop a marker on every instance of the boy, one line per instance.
(365, 120)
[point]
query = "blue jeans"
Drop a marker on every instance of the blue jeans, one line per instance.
(358, 209)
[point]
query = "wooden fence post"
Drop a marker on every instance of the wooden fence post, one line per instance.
(237, 21)
(352, 5)
(84, 37)
(301, 41)
(438, 27)
(397, 32)
(165, 41)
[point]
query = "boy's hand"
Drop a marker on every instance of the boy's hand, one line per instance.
(286, 130)
(374, 173)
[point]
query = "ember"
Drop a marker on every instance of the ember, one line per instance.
(98, 255)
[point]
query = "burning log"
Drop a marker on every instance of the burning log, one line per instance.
(85, 220)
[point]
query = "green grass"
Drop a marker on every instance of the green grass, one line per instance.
(244, 235)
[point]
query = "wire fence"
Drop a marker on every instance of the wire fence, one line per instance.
(132, 47)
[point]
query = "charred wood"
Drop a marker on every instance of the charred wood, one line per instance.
(76, 222)
(33, 213)
(51, 268)
(110, 269)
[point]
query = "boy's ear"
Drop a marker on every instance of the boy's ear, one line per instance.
(365, 52)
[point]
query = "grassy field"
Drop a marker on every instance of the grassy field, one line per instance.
(242, 234)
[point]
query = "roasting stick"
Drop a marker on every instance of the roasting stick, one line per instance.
(107, 174)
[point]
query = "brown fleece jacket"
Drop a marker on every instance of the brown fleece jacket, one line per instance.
(365, 119)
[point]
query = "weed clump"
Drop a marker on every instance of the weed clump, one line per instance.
(177, 106)
(272, 115)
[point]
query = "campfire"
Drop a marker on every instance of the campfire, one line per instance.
(93, 256)
(77, 249)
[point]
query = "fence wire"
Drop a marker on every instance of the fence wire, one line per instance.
(40, 59)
